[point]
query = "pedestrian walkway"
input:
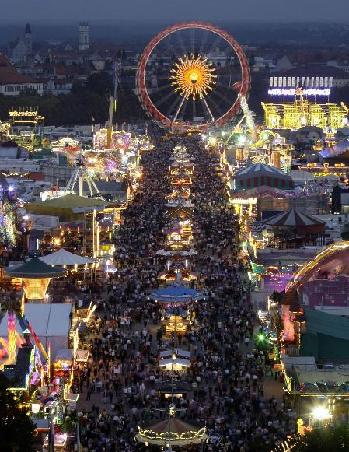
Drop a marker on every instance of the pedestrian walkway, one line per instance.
(222, 389)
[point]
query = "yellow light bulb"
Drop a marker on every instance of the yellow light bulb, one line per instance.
(193, 77)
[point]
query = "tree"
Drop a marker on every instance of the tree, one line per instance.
(17, 429)
(100, 83)
(324, 439)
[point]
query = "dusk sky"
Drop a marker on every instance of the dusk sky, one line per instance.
(172, 10)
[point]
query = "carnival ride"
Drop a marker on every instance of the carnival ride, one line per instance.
(80, 175)
(8, 351)
(334, 258)
(256, 144)
(205, 87)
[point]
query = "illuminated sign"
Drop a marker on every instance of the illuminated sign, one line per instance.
(295, 91)
(23, 113)
(304, 82)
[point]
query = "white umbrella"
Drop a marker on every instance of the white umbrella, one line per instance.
(188, 253)
(64, 257)
(164, 253)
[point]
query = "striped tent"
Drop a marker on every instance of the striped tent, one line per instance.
(294, 219)
(259, 174)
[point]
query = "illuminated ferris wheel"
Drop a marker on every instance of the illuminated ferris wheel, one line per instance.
(192, 75)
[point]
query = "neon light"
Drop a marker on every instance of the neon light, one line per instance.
(11, 328)
(305, 92)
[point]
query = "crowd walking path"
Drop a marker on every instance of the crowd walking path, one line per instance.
(224, 383)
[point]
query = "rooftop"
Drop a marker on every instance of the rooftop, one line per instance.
(34, 269)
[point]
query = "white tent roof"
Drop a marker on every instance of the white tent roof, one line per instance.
(301, 176)
(64, 257)
(162, 252)
(179, 203)
(47, 319)
(179, 352)
(51, 319)
(305, 362)
(178, 361)
(64, 354)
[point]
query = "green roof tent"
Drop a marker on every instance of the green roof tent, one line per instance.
(326, 336)
(35, 269)
(66, 207)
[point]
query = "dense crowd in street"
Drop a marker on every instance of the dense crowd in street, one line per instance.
(120, 384)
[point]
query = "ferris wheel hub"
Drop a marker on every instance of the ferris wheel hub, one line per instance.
(192, 76)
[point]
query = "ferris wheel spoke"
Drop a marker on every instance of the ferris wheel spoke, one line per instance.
(213, 45)
(172, 50)
(203, 44)
(162, 88)
(226, 97)
(165, 99)
(180, 42)
(223, 91)
(184, 109)
(217, 109)
(194, 108)
(211, 101)
(223, 99)
(227, 86)
(192, 41)
(178, 109)
(173, 106)
(207, 108)
(169, 48)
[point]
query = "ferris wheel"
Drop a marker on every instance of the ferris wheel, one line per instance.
(192, 75)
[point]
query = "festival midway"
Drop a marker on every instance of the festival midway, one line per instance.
(176, 282)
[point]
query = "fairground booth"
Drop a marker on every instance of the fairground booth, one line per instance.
(175, 300)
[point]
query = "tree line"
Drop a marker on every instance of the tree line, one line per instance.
(87, 102)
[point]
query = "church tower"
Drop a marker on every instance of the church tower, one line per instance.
(84, 36)
(28, 40)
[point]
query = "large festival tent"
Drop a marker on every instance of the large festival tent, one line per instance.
(67, 207)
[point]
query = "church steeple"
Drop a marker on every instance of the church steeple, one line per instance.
(28, 40)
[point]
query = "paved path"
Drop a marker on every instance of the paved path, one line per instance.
(273, 388)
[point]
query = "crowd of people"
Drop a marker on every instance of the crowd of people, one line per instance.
(223, 387)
